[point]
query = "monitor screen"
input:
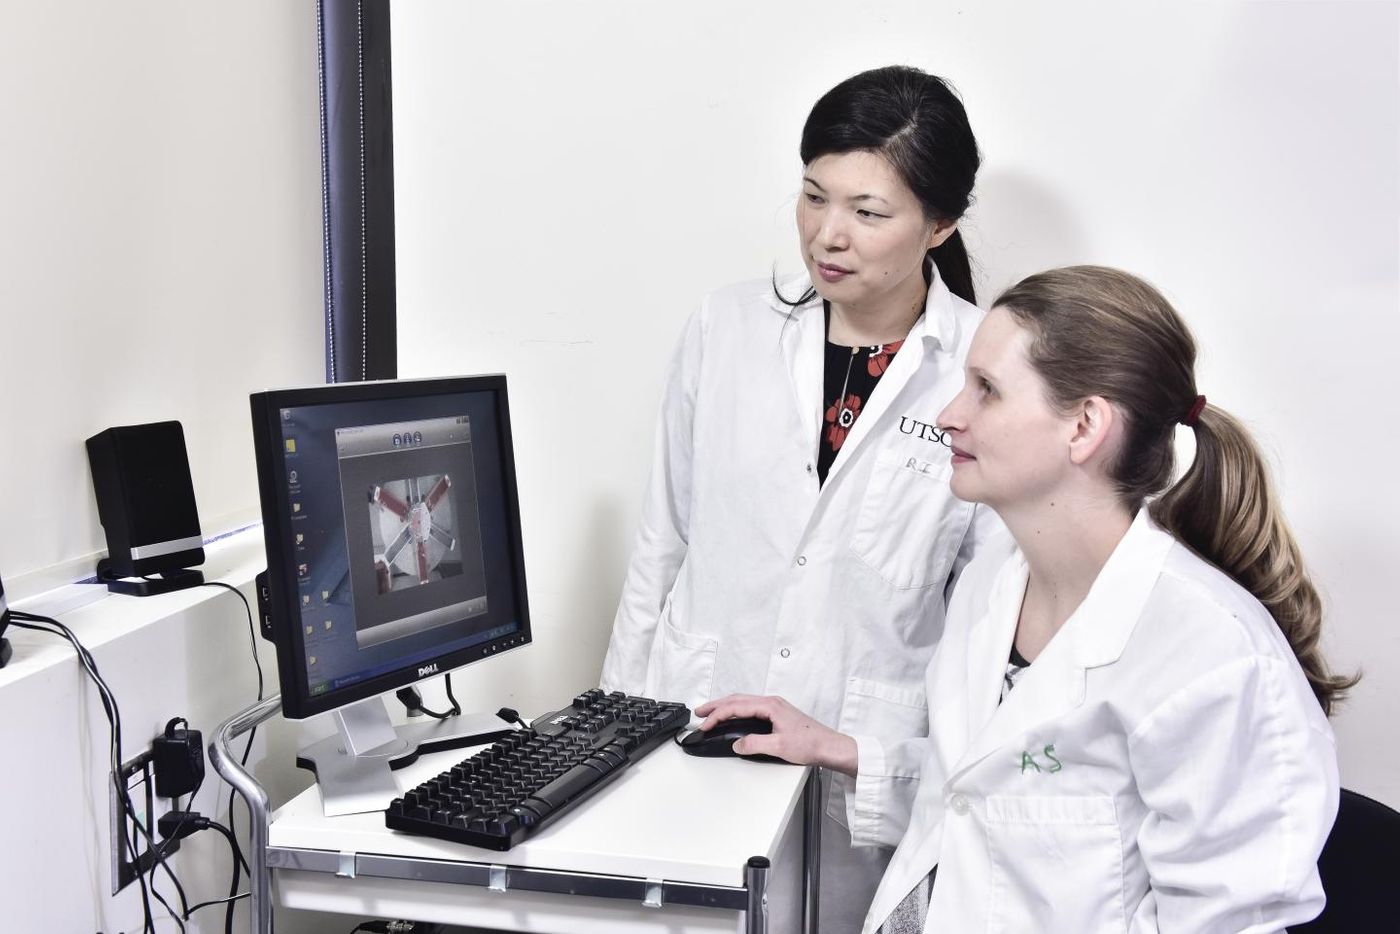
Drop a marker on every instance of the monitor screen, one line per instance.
(393, 534)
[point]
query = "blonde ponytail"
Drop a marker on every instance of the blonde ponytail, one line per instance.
(1224, 508)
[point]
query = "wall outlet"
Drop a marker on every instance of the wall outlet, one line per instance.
(132, 831)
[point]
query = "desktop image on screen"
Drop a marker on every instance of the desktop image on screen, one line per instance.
(391, 522)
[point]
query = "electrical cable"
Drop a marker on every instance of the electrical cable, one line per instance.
(219, 901)
(252, 631)
(189, 809)
(162, 849)
(158, 849)
(413, 702)
(447, 682)
(235, 851)
(25, 620)
(247, 748)
(39, 623)
(42, 623)
(237, 858)
(173, 826)
(200, 822)
(158, 855)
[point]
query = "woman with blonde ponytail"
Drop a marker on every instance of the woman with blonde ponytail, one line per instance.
(1127, 711)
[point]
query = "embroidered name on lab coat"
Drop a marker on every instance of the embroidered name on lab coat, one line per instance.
(918, 466)
(1053, 764)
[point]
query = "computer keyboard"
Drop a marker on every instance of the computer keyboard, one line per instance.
(519, 784)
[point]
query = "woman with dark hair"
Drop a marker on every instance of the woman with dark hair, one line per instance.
(1129, 714)
(799, 536)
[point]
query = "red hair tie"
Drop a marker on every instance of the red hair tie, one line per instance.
(1196, 407)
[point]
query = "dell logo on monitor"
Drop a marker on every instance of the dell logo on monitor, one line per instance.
(428, 670)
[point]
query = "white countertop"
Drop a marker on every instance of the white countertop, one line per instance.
(669, 816)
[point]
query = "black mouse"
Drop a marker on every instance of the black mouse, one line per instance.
(719, 739)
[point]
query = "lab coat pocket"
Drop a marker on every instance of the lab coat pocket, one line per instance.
(910, 523)
(875, 708)
(1056, 863)
(685, 670)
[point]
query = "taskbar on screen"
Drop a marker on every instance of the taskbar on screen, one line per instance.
(335, 684)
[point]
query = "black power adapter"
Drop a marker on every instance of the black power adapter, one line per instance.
(177, 757)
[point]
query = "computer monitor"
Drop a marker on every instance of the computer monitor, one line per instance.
(392, 528)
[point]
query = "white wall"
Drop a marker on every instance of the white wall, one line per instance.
(571, 178)
(160, 249)
(160, 257)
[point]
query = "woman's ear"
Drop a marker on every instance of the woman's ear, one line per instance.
(1097, 426)
(940, 232)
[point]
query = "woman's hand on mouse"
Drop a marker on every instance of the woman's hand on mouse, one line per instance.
(796, 737)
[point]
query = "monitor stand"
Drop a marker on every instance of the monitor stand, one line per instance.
(4, 652)
(354, 767)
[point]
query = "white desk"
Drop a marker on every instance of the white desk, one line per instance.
(667, 847)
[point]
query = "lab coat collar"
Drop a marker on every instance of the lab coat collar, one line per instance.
(1108, 615)
(1094, 635)
(804, 341)
(936, 327)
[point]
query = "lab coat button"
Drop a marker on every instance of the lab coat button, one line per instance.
(959, 805)
(811, 469)
(785, 653)
(801, 560)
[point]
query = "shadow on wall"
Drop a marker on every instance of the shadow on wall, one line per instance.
(1019, 226)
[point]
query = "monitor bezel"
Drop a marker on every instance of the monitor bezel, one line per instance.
(4, 614)
(274, 499)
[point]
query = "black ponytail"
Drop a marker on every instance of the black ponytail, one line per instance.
(955, 267)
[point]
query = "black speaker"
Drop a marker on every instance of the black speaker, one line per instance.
(4, 621)
(145, 500)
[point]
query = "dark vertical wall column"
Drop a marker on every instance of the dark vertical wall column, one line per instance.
(357, 178)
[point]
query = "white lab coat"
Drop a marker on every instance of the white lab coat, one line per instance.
(1161, 766)
(749, 576)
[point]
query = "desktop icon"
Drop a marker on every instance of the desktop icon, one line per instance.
(300, 538)
(292, 476)
(291, 445)
(302, 570)
(306, 599)
(296, 507)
